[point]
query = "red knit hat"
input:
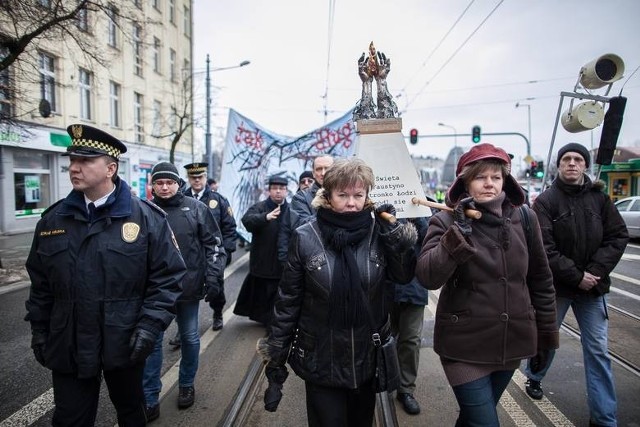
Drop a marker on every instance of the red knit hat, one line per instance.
(482, 152)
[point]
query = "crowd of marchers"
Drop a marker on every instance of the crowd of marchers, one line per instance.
(339, 283)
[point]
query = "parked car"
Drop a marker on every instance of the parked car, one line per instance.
(629, 208)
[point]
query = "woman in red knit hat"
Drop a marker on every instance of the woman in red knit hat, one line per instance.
(497, 303)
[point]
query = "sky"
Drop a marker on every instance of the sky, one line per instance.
(457, 62)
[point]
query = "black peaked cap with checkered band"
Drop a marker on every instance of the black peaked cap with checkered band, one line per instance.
(87, 141)
(196, 169)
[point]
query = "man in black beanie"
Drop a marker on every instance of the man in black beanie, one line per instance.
(583, 248)
(200, 242)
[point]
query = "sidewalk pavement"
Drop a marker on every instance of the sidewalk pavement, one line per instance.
(14, 249)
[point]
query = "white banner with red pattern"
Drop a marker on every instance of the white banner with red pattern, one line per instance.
(252, 154)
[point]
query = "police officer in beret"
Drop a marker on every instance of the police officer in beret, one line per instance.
(222, 212)
(263, 220)
(105, 274)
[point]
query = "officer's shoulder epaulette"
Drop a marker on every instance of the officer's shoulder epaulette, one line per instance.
(51, 207)
(154, 206)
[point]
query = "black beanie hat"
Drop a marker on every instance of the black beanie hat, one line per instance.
(575, 148)
(165, 170)
(305, 174)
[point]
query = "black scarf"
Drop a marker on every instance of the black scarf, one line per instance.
(342, 232)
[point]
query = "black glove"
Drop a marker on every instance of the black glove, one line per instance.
(39, 345)
(228, 258)
(213, 290)
(462, 221)
(385, 225)
(539, 361)
(276, 376)
(141, 344)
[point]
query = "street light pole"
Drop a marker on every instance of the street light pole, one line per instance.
(207, 136)
(529, 121)
(455, 145)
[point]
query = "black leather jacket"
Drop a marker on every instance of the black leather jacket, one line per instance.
(330, 357)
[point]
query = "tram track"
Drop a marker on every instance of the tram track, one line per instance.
(254, 380)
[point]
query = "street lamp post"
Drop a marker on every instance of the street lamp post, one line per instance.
(529, 120)
(207, 135)
(455, 144)
(529, 158)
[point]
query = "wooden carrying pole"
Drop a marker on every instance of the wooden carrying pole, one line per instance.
(471, 213)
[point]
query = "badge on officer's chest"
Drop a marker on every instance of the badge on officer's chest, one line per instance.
(213, 204)
(130, 231)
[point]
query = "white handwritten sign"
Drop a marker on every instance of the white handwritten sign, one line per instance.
(397, 180)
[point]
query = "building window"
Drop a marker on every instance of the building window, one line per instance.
(5, 88)
(172, 64)
(156, 55)
(157, 118)
(138, 3)
(137, 50)
(156, 5)
(138, 122)
(32, 182)
(172, 11)
(83, 19)
(48, 79)
(112, 13)
(114, 102)
(84, 84)
(187, 22)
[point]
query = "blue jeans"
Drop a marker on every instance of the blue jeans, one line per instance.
(478, 399)
(591, 314)
(187, 318)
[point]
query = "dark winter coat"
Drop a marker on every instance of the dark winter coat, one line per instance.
(336, 357)
(94, 283)
(223, 214)
(300, 212)
(497, 302)
(200, 244)
(582, 231)
(263, 260)
(413, 292)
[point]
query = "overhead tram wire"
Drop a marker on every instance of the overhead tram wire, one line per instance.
(453, 55)
(325, 97)
(433, 51)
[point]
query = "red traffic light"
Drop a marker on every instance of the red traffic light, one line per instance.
(413, 136)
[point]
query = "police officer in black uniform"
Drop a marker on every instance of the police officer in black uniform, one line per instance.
(222, 212)
(105, 274)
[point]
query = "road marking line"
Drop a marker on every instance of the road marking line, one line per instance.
(630, 257)
(624, 278)
(33, 411)
(545, 406)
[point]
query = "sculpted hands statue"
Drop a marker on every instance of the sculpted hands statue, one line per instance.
(365, 108)
(377, 65)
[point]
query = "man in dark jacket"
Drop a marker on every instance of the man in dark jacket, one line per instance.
(105, 274)
(259, 288)
(301, 210)
(200, 243)
(223, 214)
(407, 319)
(584, 238)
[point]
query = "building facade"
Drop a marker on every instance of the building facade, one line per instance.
(134, 83)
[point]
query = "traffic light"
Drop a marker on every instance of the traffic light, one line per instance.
(611, 130)
(413, 136)
(475, 134)
(539, 172)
